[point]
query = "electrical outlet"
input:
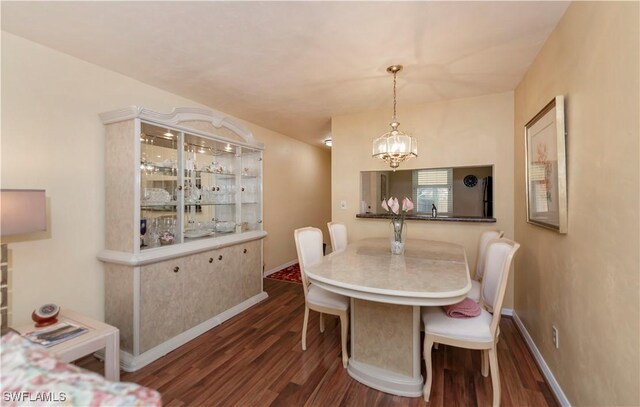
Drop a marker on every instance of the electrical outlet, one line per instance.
(555, 336)
(343, 204)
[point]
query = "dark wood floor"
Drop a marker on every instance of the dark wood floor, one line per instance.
(255, 359)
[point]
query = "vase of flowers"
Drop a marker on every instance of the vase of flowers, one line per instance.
(397, 228)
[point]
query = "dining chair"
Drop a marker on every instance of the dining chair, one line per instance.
(309, 248)
(476, 283)
(338, 234)
(479, 332)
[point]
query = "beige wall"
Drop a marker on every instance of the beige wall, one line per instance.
(463, 132)
(297, 193)
(587, 282)
(52, 138)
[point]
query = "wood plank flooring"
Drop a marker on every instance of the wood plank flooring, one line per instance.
(255, 359)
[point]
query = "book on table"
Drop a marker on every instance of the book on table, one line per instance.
(55, 334)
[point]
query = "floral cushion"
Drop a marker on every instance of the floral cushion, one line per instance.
(31, 375)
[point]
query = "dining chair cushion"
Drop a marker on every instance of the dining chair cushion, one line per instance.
(323, 298)
(474, 293)
(436, 322)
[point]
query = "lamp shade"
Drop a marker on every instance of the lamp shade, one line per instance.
(22, 211)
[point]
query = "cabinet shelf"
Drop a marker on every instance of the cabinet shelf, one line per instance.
(159, 205)
(208, 204)
(217, 174)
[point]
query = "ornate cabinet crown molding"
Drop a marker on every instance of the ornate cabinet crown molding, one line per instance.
(177, 116)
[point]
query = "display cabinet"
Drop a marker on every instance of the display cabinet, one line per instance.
(195, 187)
(183, 226)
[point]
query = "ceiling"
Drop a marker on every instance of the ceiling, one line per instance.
(291, 66)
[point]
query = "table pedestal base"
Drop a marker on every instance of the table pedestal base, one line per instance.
(386, 381)
(385, 347)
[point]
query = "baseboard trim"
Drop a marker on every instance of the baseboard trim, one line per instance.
(548, 375)
(507, 312)
(280, 267)
(131, 363)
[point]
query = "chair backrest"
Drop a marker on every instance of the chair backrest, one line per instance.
(309, 248)
(485, 238)
(498, 262)
(338, 234)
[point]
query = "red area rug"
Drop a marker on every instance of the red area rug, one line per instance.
(290, 274)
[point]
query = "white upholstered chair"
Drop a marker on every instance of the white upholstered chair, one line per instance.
(338, 234)
(480, 332)
(476, 284)
(309, 247)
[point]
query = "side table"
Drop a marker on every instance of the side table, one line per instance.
(99, 336)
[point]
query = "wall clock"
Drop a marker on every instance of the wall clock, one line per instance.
(470, 181)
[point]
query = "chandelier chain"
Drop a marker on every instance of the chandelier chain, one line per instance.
(394, 95)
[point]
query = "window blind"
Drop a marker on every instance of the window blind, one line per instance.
(433, 187)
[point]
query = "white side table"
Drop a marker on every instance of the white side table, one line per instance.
(99, 336)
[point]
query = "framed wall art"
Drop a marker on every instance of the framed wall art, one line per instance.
(546, 167)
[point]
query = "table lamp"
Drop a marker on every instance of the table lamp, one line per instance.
(22, 211)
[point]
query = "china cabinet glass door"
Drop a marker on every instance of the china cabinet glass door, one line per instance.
(210, 187)
(194, 187)
(251, 189)
(160, 179)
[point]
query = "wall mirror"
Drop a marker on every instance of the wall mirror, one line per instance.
(456, 192)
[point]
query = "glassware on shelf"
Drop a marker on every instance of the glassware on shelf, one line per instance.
(191, 193)
(154, 230)
(143, 231)
(156, 196)
(168, 234)
(225, 226)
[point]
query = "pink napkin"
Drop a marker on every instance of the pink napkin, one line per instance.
(466, 308)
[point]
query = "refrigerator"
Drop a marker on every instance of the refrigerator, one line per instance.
(487, 197)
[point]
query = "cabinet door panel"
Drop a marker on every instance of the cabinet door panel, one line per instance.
(231, 284)
(250, 268)
(199, 300)
(162, 302)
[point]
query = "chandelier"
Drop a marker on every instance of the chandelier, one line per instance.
(395, 146)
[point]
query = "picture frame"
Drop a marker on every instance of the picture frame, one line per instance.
(546, 167)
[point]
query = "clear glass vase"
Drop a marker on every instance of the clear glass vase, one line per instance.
(397, 236)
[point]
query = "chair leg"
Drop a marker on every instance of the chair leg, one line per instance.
(428, 344)
(344, 330)
(485, 362)
(495, 376)
(321, 322)
(304, 328)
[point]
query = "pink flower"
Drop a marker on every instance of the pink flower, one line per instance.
(384, 205)
(407, 205)
(394, 205)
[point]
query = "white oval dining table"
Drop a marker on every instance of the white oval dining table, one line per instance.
(386, 293)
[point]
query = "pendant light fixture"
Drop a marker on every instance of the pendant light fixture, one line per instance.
(395, 146)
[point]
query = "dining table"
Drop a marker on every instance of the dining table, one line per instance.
(387, 291)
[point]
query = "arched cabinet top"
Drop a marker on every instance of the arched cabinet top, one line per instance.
(181, 117)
